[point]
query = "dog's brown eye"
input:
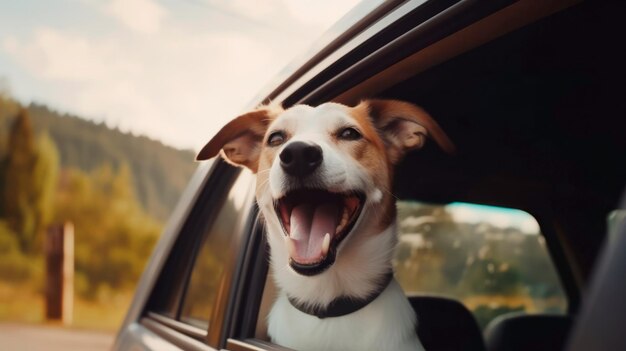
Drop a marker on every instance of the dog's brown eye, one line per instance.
(350, 134)
(276, 139)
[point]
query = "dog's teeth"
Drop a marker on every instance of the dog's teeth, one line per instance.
(326, 244)
(291, 246)
(343, 221)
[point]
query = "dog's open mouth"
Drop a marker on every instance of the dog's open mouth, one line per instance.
(315, 222)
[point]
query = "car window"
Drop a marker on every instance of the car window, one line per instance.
(214, 251)
(492, 259)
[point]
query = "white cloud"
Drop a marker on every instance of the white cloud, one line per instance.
(143, 16)
(319, 13)
(178, 88)
(53, 54)
(260, 10)
(180, 84)
(292, 15)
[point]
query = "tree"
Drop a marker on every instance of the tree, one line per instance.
(45, 180)
(30, 173)
(114, 235)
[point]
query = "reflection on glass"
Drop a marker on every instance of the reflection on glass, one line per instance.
(214, 253)
(492, 259)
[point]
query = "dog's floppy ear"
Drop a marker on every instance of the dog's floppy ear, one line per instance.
(405, 127)
(240, 140)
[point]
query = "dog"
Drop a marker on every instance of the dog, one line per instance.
(324, 177)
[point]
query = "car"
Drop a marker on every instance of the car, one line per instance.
(498, 243)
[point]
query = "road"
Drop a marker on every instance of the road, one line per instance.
(26, 337)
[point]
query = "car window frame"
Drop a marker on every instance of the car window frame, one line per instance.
(212, 221)
(553, 253)
(222, 176)
(182, 255)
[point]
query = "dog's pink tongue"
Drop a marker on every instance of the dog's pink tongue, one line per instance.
(309, 224)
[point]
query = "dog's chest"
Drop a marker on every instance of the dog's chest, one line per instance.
(386, 323)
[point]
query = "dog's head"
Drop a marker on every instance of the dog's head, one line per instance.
(324, 173)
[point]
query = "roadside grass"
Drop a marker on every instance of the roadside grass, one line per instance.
(22, 303)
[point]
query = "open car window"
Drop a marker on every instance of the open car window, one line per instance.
(214, 251)
(189, 294)
(492, 259)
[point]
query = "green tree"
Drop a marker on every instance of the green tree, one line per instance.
(45, 180)
(30, 172)
(113, 234)
(18, 190)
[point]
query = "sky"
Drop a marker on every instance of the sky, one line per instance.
(497, 216)
(502, 217)
(173, 70)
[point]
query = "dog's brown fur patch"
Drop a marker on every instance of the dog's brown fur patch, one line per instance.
(375, 159)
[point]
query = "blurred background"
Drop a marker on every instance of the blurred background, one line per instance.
(103, 105)
(492, 259)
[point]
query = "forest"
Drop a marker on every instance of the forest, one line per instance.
(116, 189)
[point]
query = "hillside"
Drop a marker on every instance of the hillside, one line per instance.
(159, 172)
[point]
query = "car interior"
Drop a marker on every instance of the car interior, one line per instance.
(537, 118)
(536, 111)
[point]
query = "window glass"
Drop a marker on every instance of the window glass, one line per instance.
(492, 259)
(214, 252)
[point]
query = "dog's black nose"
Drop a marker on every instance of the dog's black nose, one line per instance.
(300, 159)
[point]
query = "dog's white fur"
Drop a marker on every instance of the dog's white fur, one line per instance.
(365, 254)
(388, 323)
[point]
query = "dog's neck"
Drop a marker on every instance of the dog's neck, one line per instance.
(360, 267)
(343, 305)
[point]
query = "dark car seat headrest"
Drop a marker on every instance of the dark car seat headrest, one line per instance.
(446, 325)
(514, 331)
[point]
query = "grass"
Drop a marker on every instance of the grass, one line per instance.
(23, 304)
(19, 303)
(101, 316)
